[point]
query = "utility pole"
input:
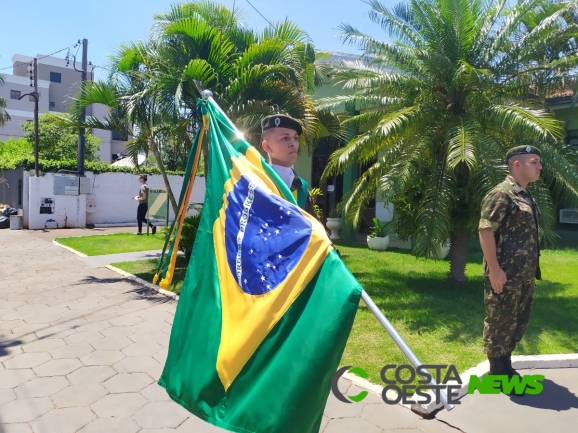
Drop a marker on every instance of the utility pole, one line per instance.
(81, 137)
(35, 96)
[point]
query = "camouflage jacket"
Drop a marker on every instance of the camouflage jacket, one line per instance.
(513, 215)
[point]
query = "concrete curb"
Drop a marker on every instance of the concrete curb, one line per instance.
(520, 362)
(148, 285)
(78, 253)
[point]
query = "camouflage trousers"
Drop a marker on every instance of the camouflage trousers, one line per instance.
(507, 315)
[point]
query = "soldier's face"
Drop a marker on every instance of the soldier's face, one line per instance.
(530, 167)
(282, 145)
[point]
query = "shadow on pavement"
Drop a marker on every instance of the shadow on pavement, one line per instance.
(553, 397)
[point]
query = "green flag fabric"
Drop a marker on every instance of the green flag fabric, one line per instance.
(267, 304)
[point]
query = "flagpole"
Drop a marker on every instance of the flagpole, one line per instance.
(401, 343)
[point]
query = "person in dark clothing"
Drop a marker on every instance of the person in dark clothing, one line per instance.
(142, 205)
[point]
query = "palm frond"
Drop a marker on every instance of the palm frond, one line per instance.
(530, 123)
(434, 217)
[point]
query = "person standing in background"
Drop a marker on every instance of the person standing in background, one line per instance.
(142, 209)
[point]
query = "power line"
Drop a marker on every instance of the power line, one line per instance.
(43, 57)
(257, 10)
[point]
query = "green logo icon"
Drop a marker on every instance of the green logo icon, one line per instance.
(346, 399)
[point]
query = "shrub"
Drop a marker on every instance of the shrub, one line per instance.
(188, 234)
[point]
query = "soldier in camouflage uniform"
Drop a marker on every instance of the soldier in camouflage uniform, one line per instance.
(509, 238)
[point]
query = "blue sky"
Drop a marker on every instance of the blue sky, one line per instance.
(33, 27)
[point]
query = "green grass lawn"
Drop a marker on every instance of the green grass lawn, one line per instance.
(441, 322)
(145, 269)
(114, 243)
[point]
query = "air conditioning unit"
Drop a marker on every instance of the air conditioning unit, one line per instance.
(569, 216)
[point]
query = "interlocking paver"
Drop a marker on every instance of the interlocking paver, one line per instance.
(71, 351)
(7, 395)
(111, 425)
(13, 378)
(67, 420)
(194, 424)
(10, 324)
(141, 349)
(155, 392)
(44, 345)
(25, 409)
(57, 367)
(122, 405)
(79, 395)
(136, 364)
(151, 335)
(102, 357)
(125, 320)
(112, 343)
(16, 428)
(127, 382)
(42, 387)
(84, 337)
(91, 374)
(27, 360)
(119, 331)
(161, 415)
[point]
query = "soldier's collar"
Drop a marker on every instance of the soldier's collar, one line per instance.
(516, 187)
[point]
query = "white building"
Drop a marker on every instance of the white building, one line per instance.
(57, 84)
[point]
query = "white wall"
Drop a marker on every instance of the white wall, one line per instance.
(114, 192)
(69, 210)
(383, 213)
(111, 192)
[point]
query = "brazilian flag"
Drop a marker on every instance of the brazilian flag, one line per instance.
(267, 304)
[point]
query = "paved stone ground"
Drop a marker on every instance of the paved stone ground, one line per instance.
(81, 349)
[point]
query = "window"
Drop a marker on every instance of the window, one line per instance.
(572, 137)
(15, 94)
(52, 105)
(118, 136)
(55, 77)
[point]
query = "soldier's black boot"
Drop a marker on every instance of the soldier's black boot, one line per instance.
(507, 361)
(497, 366)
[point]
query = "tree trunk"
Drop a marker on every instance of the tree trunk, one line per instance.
(459, 238)
(161, 166)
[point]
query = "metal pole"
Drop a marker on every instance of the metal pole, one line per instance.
(81, 138)
(36, 170)
(400, 343)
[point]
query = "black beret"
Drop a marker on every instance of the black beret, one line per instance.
(281, 121)
(522, 150)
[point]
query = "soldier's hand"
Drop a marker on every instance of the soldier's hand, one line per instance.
(498, 279)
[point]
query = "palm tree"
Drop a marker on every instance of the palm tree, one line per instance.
(440, 105)
(155, 85)
(250, 74)
(4, 116)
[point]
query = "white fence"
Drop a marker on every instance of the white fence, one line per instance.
(108, 202)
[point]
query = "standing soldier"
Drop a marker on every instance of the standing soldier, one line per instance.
(509, 239)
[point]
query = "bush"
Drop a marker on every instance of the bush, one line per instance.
(189, 233)
(52, 166)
